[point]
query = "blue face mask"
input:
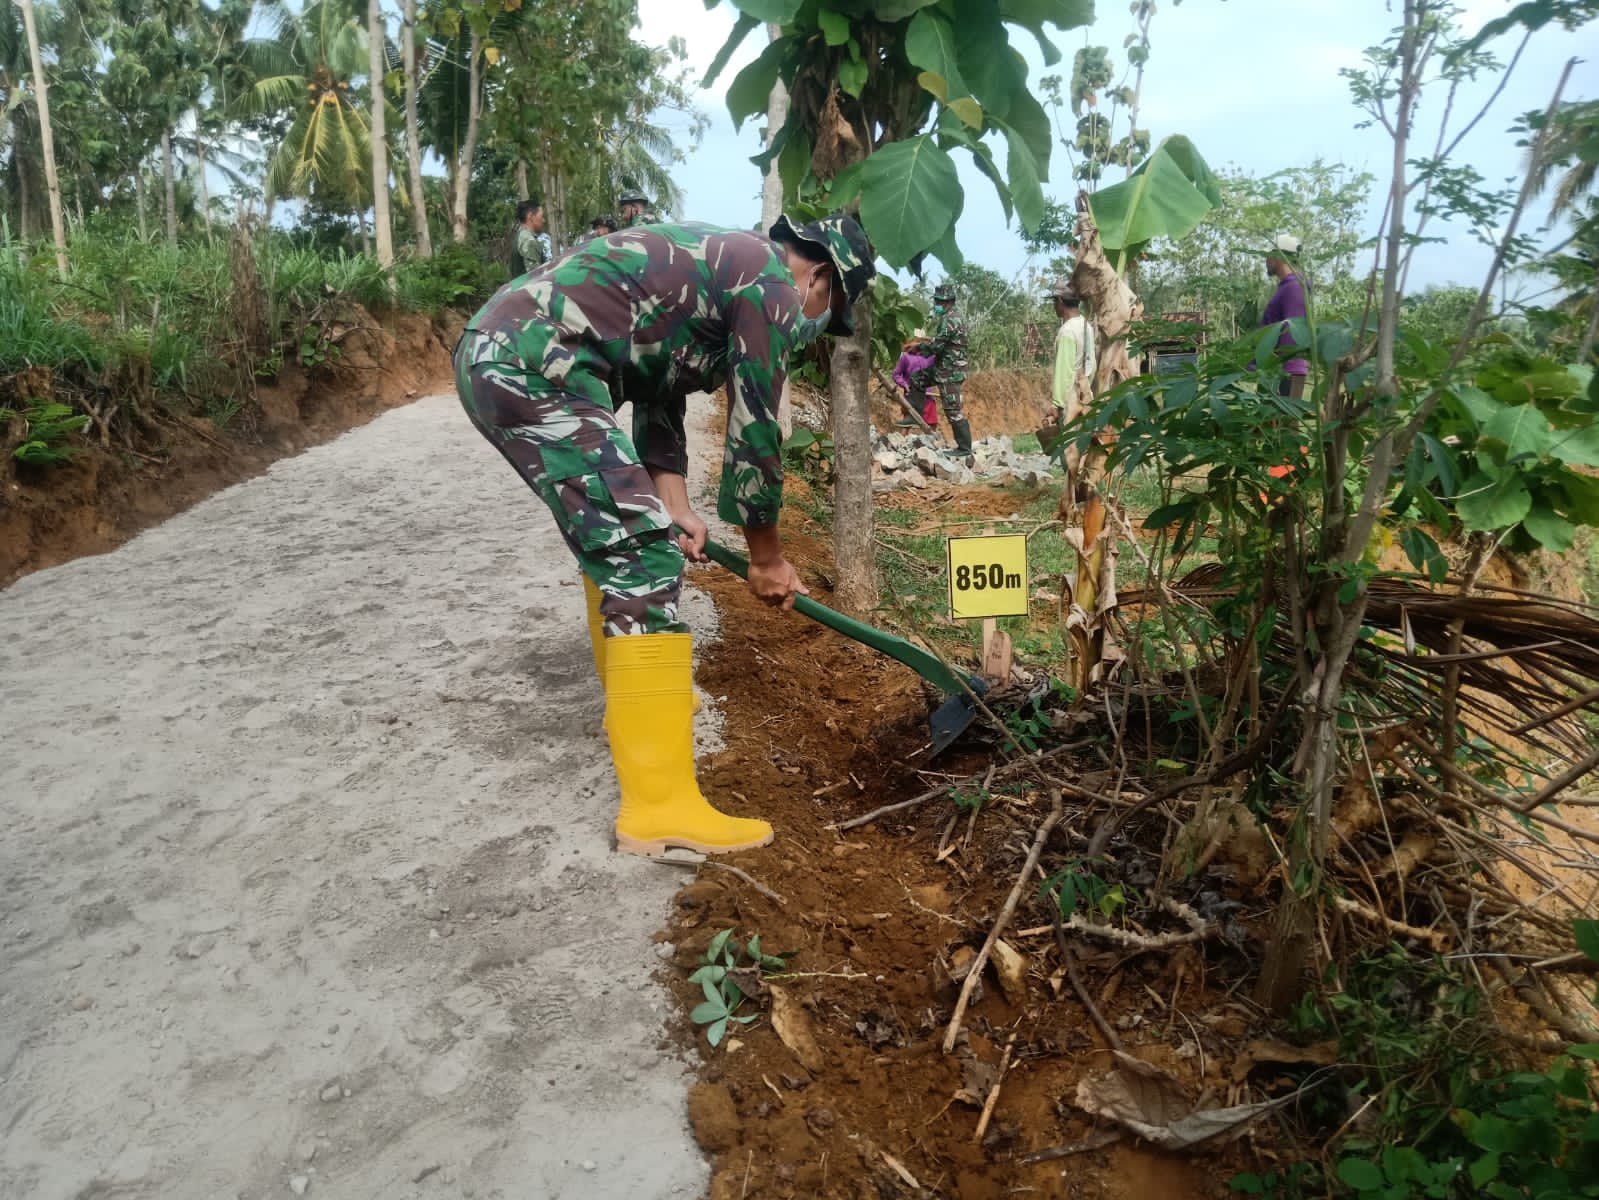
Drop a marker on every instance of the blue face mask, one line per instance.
(810, 328)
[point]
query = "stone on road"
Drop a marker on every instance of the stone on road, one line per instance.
(252, 761)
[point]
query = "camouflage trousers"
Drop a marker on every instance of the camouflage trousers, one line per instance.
(949, 394)
(565, 442)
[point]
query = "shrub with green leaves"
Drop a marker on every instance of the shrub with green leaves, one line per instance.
(718, 977)
(48, 429)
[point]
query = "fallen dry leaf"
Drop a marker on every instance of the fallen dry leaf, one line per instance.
(793, 1029)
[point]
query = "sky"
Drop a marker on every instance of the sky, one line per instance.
(1254, 84)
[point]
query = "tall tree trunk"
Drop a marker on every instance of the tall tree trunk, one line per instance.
(366, 234)
(553, 187)
(463, 170)
(169, 171)
(853, 534)
(139, 203)
(380, 137)
(772, 204)
(413, 139)
(205, 189)
(52, 183)
(521, 179)
(27, 184)
(1082, 510)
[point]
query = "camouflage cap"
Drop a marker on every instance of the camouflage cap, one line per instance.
(1064, 289)
(632, 196)
(840, 237)
(944, 291)
(605, 219)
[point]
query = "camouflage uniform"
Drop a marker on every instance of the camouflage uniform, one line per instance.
(530, 248)
(645, 216)
(647, 315)
(949, 354)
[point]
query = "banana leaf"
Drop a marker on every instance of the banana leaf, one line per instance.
(1167, 195)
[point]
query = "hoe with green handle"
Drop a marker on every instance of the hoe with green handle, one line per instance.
(951, 718)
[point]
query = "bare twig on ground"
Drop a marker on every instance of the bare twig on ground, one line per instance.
(1005, 914)
(747, 878)
(993, 1092)
(984, 779)
(1094, 1141)
(1068, 956)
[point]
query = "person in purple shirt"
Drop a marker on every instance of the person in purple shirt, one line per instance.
(1287, 302)
(912, 374)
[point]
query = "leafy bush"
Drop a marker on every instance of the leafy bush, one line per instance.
(1444, 1117)
(48, 426)
(457, 276)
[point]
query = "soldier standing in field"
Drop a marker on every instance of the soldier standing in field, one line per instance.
(649, 316)
(528, 253)
(949, 366)
(635, 209)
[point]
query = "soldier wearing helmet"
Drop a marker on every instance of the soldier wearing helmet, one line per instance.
(649, 315)
(949, 363)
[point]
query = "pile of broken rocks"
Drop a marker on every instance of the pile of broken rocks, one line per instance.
(913, 459)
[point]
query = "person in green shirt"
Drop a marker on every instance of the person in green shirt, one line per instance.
(529, 254)
(1075, 359)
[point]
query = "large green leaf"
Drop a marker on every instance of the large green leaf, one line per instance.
(983, 54)
(741, 29)
(1028, 118)
(1186, 155)
(930, 45)
(834, 26)
(1159, 200)
(1579, 447)
(852, 74)
(1492, 504)
(775, 12)
(1521, 429)
(898, 10)
(1033, 15)
(1587, 935)
(1477, 402)
(751, 89)
(1549, 528)
(1021, 172)
(910, 194)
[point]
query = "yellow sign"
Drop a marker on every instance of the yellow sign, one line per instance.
(987, 576)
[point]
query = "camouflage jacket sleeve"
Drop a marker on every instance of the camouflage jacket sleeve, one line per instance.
(660, 435)
(761, 316)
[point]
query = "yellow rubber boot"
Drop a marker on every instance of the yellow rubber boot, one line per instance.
(591, 598)
(649, 717)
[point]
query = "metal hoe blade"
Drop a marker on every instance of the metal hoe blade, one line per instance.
(951, 718)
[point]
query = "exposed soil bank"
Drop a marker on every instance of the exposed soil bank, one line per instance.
(104, 496)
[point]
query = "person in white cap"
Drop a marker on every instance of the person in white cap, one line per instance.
(1075, 359)
(1287, 302)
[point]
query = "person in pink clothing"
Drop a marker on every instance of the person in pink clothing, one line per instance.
(912, 374)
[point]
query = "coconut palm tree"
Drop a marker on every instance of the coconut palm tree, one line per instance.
(304, 71)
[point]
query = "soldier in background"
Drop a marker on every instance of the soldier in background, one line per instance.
(602, 225)
(949, 363)
(528, 254)
(635, 209)
(650, 315)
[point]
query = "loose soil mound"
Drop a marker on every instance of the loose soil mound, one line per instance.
(820, 729)
(995, 401)
(104, 496)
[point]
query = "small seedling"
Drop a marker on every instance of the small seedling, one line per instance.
(717, 977)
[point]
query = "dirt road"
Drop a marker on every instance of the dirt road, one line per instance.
(305, 875)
